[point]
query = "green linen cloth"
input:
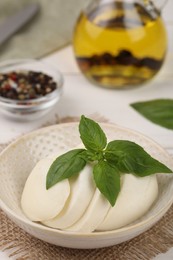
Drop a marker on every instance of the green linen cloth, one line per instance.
(48, 31)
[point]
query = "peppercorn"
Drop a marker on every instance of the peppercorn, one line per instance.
(25, 85)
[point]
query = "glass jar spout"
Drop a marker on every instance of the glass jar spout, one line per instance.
(159, 4)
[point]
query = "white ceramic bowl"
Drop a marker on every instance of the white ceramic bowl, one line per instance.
(18, 159)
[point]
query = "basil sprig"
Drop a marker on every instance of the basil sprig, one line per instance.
(65, 166)
(92, 135)
(158, 111)
(130, 157)
(107, 179)
(110, 161)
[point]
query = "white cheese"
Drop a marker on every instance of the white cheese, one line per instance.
(93, 216)
(82, 189)
(76, 205)
(38, 203)
(135, 198)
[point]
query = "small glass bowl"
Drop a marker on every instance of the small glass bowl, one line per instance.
(33, 108)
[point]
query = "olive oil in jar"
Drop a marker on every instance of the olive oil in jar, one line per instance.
(120, 44)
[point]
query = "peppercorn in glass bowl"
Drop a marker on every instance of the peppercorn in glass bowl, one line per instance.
(29, 89)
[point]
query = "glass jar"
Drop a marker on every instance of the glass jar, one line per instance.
(120, 43)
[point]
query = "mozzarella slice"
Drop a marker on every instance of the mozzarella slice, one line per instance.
(82, 190)
(38, 203)
(135, 198)
(93, 216)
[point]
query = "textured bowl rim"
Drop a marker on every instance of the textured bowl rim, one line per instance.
(124, 229)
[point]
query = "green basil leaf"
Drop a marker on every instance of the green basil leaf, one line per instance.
(65, 166)
(91, 156)
(92, 135)
(107, 180)
(129, 157)
(159, 111)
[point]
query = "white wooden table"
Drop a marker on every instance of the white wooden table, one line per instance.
(81, 97)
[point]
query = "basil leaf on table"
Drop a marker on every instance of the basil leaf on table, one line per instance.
(129, 157)
(159, 111)
(92, 135)
(65, 166)
(107, 179)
